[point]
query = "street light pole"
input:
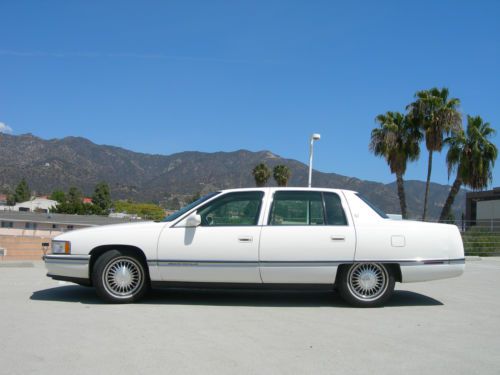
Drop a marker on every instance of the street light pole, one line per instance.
(314, 137)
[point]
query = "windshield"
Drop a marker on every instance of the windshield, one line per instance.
(373, 207)
(185, 209)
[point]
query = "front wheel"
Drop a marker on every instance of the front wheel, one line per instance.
(366, 284)
(120, 277)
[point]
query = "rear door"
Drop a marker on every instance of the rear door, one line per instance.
(307, 236)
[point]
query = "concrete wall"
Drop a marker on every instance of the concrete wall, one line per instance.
(22, 248)
(5, 224)
(28, 232)
(487, 210)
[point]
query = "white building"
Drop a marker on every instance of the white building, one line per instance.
(482, 208)
(15, 223)
(34, 205)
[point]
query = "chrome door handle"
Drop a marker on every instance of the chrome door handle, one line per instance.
(245, 239)
(337, 238)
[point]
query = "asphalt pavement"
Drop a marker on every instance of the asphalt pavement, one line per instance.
(447, 326)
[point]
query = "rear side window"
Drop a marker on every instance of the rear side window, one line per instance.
(306, 208)
(297, 208)
(335, 214)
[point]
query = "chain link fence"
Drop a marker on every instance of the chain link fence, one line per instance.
(480, 237)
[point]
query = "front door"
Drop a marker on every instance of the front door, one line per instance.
(224, 248)
(307, 236)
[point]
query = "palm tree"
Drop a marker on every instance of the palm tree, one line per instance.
(261, 174)
(281, 174)
(437, 115)
(473, 156)
(397, 140)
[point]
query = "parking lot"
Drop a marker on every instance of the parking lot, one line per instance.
(447, 326)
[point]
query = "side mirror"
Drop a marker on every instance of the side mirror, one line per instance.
(193, 220)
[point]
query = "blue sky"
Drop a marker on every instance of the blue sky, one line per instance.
(170, 76)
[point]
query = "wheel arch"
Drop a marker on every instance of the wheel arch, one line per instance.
(394, 268)
(96, 252)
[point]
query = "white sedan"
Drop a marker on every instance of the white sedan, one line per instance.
(262, 237)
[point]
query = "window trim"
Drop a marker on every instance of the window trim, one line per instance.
(341, 206)
(374, 208)
(325, 217)
(204, 199)
(271, 210)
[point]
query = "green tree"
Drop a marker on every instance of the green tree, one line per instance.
(92, 209)
(437, 115)
(261, 174)
(281, 174)
(73, 203)
(102, 197)
(58, 195)
(22, 192)
(75, 196)
(145, 210)
(473, 156)
(397, 141)
(11, 200)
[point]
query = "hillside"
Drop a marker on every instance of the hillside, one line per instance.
(73, 161)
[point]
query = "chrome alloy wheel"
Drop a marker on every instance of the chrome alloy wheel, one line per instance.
(367, 281)
(122, 277)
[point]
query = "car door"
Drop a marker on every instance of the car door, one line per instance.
(307, 236)
(223, 248)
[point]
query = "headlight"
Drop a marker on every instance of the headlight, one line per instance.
(61, 247)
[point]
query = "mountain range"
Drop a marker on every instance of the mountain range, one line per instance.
(58, 164)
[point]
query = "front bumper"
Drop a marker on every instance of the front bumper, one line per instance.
(66, 267)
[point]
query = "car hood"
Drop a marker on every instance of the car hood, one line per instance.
(112, 229)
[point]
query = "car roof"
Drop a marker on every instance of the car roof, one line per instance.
(271, 189)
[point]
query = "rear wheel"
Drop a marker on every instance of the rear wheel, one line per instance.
(120, 277)
(366, 284)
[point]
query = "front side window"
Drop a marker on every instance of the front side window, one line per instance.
(232, 209)
(185, 209)
(306, 208)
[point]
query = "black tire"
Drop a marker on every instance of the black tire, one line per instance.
(366, 284)
(120, 277)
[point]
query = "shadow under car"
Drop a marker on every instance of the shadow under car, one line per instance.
(222, 297)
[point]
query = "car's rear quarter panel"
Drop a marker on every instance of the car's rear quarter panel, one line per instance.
(425, 251)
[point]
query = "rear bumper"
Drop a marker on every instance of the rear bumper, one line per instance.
(66, 267)
(431, 270)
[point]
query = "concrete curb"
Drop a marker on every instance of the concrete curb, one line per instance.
(472, 258)
(13, 264)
